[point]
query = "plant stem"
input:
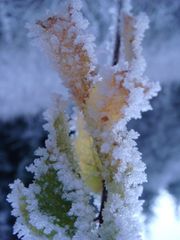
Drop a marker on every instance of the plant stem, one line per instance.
(103, 201)
(118, 36)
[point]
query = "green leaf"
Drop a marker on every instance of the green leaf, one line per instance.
(25, 215)
(50, 201)
(63, 140)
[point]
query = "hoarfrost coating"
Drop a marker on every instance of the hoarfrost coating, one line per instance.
(101, 160)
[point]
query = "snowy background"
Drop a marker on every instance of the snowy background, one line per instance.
(27, 81)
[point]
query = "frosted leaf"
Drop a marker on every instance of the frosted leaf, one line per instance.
(101, 159)
(73, 52)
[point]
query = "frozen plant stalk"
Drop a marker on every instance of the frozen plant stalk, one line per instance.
(87, 185)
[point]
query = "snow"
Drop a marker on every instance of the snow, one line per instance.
(123, 207)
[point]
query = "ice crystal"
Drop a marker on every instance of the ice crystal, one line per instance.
(101, 159)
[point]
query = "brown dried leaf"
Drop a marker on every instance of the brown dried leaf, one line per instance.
(103, 110)
(71, 57)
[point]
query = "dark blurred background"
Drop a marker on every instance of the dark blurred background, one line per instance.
(27, 81)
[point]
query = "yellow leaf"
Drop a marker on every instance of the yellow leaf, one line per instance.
(87, 156)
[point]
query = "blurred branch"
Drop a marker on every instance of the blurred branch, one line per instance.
(118, 35)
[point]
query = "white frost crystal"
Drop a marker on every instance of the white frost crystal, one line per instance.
(88, 178)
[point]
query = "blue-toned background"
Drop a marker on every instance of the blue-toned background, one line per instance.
(27, 81)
